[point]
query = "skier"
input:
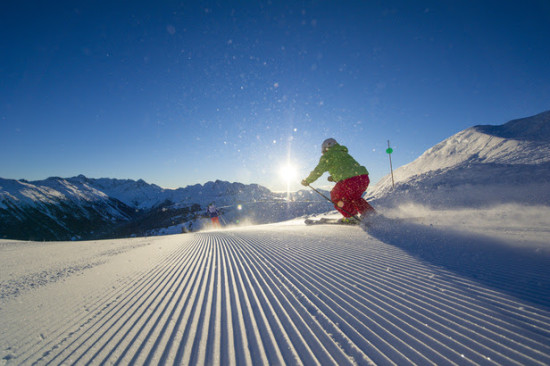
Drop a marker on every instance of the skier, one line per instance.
(351, 180)
(213, 212)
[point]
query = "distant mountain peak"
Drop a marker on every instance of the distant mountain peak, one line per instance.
(80, 207)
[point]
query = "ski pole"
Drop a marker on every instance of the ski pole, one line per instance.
(322, 195)
(223, 221)
(328, 199)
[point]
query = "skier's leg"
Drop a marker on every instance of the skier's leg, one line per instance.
(340, 196)
(358, 185)
(336, 198)
(362, 205)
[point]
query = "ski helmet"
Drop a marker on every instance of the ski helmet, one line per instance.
(327, 144)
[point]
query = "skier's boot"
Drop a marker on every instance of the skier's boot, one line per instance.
(347, 221)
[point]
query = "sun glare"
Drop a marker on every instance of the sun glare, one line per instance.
(288, 173)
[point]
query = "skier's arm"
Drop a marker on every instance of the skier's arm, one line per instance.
(319, 170)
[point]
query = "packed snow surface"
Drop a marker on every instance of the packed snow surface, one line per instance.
(411, 288)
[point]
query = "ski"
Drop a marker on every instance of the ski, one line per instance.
(327, 221)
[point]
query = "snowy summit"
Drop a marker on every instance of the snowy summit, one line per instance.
(478, 166)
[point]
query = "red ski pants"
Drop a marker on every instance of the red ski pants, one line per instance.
(346, 196)
(215, 221)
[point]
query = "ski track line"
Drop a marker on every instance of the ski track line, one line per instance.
(302, 340)
(341, 311)
(473, 265)
(326, 323)
(479, 313)
(127, 312)
(342, 301)
(308, 296)
(82, 319)
(91, 305)
(106, 306)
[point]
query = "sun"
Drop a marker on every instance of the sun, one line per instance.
(288, 172)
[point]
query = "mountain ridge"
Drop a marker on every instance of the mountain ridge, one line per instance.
(86, 208)
(535, 128)
(515, 168)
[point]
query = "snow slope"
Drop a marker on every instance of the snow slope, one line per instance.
(399, 292)
(481, 165)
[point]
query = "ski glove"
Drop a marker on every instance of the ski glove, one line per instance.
(305, 183)
(330, 179)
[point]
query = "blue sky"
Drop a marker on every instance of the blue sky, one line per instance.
(184, 92)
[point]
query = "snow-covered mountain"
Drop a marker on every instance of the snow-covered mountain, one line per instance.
(484, 164)
(142, 195)
(80, 207)
(56, 209)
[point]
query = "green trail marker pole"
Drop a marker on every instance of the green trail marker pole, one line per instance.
(389, 150)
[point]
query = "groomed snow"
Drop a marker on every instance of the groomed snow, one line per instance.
(413, 288)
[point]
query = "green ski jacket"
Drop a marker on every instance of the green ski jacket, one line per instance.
(338, 163)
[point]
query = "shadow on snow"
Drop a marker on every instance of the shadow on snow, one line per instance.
(523, 272)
